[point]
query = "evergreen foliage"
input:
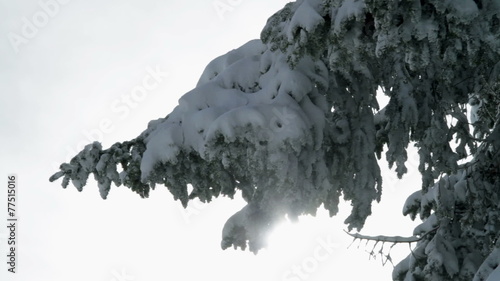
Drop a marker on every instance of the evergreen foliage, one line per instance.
(292, 121)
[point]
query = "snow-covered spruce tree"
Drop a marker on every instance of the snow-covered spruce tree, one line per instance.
(292, 121)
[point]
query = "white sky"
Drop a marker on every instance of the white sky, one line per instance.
(75, 73)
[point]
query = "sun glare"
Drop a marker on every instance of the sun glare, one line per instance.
(298, 237)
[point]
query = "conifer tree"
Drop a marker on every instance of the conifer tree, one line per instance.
(292, 122)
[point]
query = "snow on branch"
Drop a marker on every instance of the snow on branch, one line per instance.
(391, 239)
(387, 239)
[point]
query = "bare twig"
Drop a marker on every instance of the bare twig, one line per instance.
(390, 239)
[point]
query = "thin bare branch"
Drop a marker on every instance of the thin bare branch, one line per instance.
(390, 239)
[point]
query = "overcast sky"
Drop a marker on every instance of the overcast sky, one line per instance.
(67, 69)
